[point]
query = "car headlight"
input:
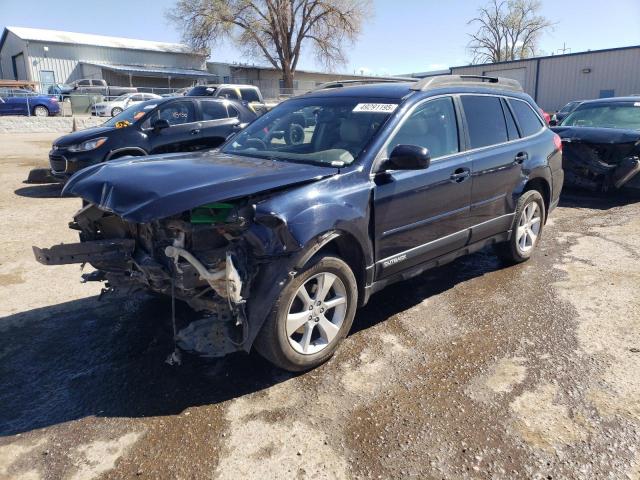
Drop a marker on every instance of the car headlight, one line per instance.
(88, 145)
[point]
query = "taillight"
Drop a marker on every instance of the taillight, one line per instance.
(557, 141)
(545, 115)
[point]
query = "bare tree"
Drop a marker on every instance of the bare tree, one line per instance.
(507, 30)
(275, 30)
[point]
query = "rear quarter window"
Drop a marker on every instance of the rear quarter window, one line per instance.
(529, 122)
(485, 120)
(249, 95)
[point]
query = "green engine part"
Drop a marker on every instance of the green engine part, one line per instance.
(211, 213)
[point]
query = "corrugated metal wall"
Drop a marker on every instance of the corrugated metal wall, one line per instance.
(64, 59)
(494, 69)
(564, 78)
(12, 46)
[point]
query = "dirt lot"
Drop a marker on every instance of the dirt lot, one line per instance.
(470, 371)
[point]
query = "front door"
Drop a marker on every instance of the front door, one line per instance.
(422, 214)
(184, 132)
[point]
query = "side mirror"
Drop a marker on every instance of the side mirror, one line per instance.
(161, 124)
(408, 157)
(553, 123)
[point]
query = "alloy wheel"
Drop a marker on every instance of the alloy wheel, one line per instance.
(528, 227)
(316, 313)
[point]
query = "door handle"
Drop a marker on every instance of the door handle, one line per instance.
(195, 131)
(460, 175)
(521, 157)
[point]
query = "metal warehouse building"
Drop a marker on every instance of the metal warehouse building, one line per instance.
(556, 80)
(50, 56)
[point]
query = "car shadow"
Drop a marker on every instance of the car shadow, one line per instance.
(48, 190)
(577, 198)
(107, 358)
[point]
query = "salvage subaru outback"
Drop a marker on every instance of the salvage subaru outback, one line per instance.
(281, 233)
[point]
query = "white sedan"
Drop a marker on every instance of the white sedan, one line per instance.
(113, 107)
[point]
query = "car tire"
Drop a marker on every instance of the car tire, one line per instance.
(526, 231)
(41, 111)
(323, 316)
(115, 111)
(294, 134)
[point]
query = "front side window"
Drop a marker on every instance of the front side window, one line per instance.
(340, 130)
(530, 123)
(608, 115)
(213, 110)
(485, 120)
(177, 113)
(432, 125)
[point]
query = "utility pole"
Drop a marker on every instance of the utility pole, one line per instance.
(564, 49)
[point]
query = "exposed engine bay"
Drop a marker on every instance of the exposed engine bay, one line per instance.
(601, 160)
(201, 257)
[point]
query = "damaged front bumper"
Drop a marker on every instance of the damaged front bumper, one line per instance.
(209, 265)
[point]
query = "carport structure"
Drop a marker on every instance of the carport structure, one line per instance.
(151, 77)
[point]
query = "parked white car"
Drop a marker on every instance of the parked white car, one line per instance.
(118, 104)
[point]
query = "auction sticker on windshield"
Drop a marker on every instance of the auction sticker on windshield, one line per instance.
(375, 107)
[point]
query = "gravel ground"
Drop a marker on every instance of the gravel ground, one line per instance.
(472, 370)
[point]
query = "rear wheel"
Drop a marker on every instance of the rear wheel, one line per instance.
(527, 229)
(41, 111)
(311, 317)
(115, 111)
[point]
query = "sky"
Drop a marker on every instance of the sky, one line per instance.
(402, 36)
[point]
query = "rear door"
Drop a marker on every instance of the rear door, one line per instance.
(497, 156)
(423, 214)
(217, 124)
(184, 131)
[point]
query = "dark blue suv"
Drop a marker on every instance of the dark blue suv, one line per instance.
(281, 233)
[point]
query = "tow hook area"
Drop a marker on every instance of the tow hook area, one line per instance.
(225, 283)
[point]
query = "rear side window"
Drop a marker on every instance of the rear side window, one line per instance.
(233, 112)
(485, 120)
(213, 111)
(249, 95)
(530, 123)
(512, 129)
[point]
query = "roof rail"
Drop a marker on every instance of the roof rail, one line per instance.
(364, 81)
(443, 81)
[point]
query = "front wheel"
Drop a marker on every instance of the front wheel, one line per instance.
(311, 316)
(527, 229)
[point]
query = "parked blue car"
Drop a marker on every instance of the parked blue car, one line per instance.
(17, 101)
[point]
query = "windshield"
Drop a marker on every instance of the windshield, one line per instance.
(201, 91)
(568, 107)
(122, 97)
(131, 114)
(321, 131)
(606, 115)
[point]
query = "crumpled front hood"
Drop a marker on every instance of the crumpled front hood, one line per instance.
(144, 189)
(608, 145)
(597, 135)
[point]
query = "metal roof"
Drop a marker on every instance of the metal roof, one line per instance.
(56, 36)
(150, 71)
